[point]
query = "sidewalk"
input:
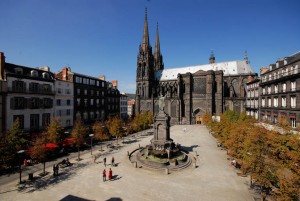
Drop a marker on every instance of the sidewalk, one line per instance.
(213, 179)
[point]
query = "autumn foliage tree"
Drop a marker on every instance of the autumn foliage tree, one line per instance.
(55, 131)
(79, 132)
(115, 126)
(39, 150)
(100, 130)
(271, 159)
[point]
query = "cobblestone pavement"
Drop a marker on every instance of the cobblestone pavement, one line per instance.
(213, 179)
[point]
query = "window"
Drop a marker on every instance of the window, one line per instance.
(85, 92)
(78, 91)
(78, 101)
(18, 71)
(46, 88)
(34, 121)
(68, 112)
(269, 102)
(276, 102)
(85, 102)
(19, 86)
(20, 118)
(85, 115)
(97, 93)
(263, 102)
(283, 101)
(276, 88)
(293, 121)
(92, 102)
(34, 73)
(293, 101)
(68, 102)
(263, 91)
(48, 103)
(283, 87)
(92, 92)
(58, 102)
(17, 103)
(45, 75)
(293, 86)
(59, 113)
(78, 80)
(269, 90)
(59, 90)
(68, 91)
(34, 103)
(33, 87)
(45, 120)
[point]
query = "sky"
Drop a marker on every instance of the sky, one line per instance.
(101, 37)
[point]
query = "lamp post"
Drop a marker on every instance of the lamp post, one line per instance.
(91, 136)
(20, 170)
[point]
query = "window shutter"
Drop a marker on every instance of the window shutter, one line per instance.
(12, 103)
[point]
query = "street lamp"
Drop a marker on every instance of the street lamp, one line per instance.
(91, 135)
(20, 170)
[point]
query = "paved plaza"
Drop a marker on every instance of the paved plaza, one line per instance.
(213, 179)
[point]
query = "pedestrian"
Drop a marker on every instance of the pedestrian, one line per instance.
(104, 175)
(113, 161)
(110, 174)
(25, 162)
(95, 159)
(104, 161)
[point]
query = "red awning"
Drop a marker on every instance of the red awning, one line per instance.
(69, 141)
(51, 146)
(293, 116)
(275, 115)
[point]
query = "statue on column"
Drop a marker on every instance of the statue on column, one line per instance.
(161, 103)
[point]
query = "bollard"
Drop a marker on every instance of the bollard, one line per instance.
(194, 165)
(167, 171)
(135, 164)
(127, 153)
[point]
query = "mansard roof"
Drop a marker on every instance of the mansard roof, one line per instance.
(228, 68)
(26, 72)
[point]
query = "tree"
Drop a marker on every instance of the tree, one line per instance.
(39, 150)
(115, 127)
(55, 131)
(207, 119)
(12, 142)
(101, 132)
(79, 131)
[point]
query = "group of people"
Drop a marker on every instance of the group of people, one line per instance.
(109, 175)
(112, 162)
(110, 170)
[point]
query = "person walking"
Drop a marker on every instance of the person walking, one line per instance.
(104, 175)
(113, 162)
(104, 161)
(54, 170)
(110, 174)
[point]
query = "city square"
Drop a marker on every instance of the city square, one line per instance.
(212, 179)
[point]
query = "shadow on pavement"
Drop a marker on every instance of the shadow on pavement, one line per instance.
(43, 182)
(74, 198)
(189, 149)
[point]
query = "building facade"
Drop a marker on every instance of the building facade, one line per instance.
(252, 101)
(94, 99)
(190, 91)
(30, 95)
(123, 106)
(64, 102)
(280, 87)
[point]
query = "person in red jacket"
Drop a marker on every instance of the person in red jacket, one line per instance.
(110, 174)
(104, 175)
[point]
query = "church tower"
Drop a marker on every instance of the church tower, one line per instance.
(145, 69)
(158, 59)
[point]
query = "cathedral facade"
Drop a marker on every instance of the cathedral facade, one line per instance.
(190, 91)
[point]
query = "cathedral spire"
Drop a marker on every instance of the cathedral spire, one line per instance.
(212, 58)
(157, 55)
(145, 43)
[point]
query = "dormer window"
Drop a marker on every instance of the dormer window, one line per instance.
(45, 75)
(34, 73)
(19, 71)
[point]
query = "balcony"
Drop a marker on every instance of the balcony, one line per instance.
(39, 91)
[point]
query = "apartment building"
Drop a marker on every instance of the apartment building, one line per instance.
(252, 100)
(280, 87)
